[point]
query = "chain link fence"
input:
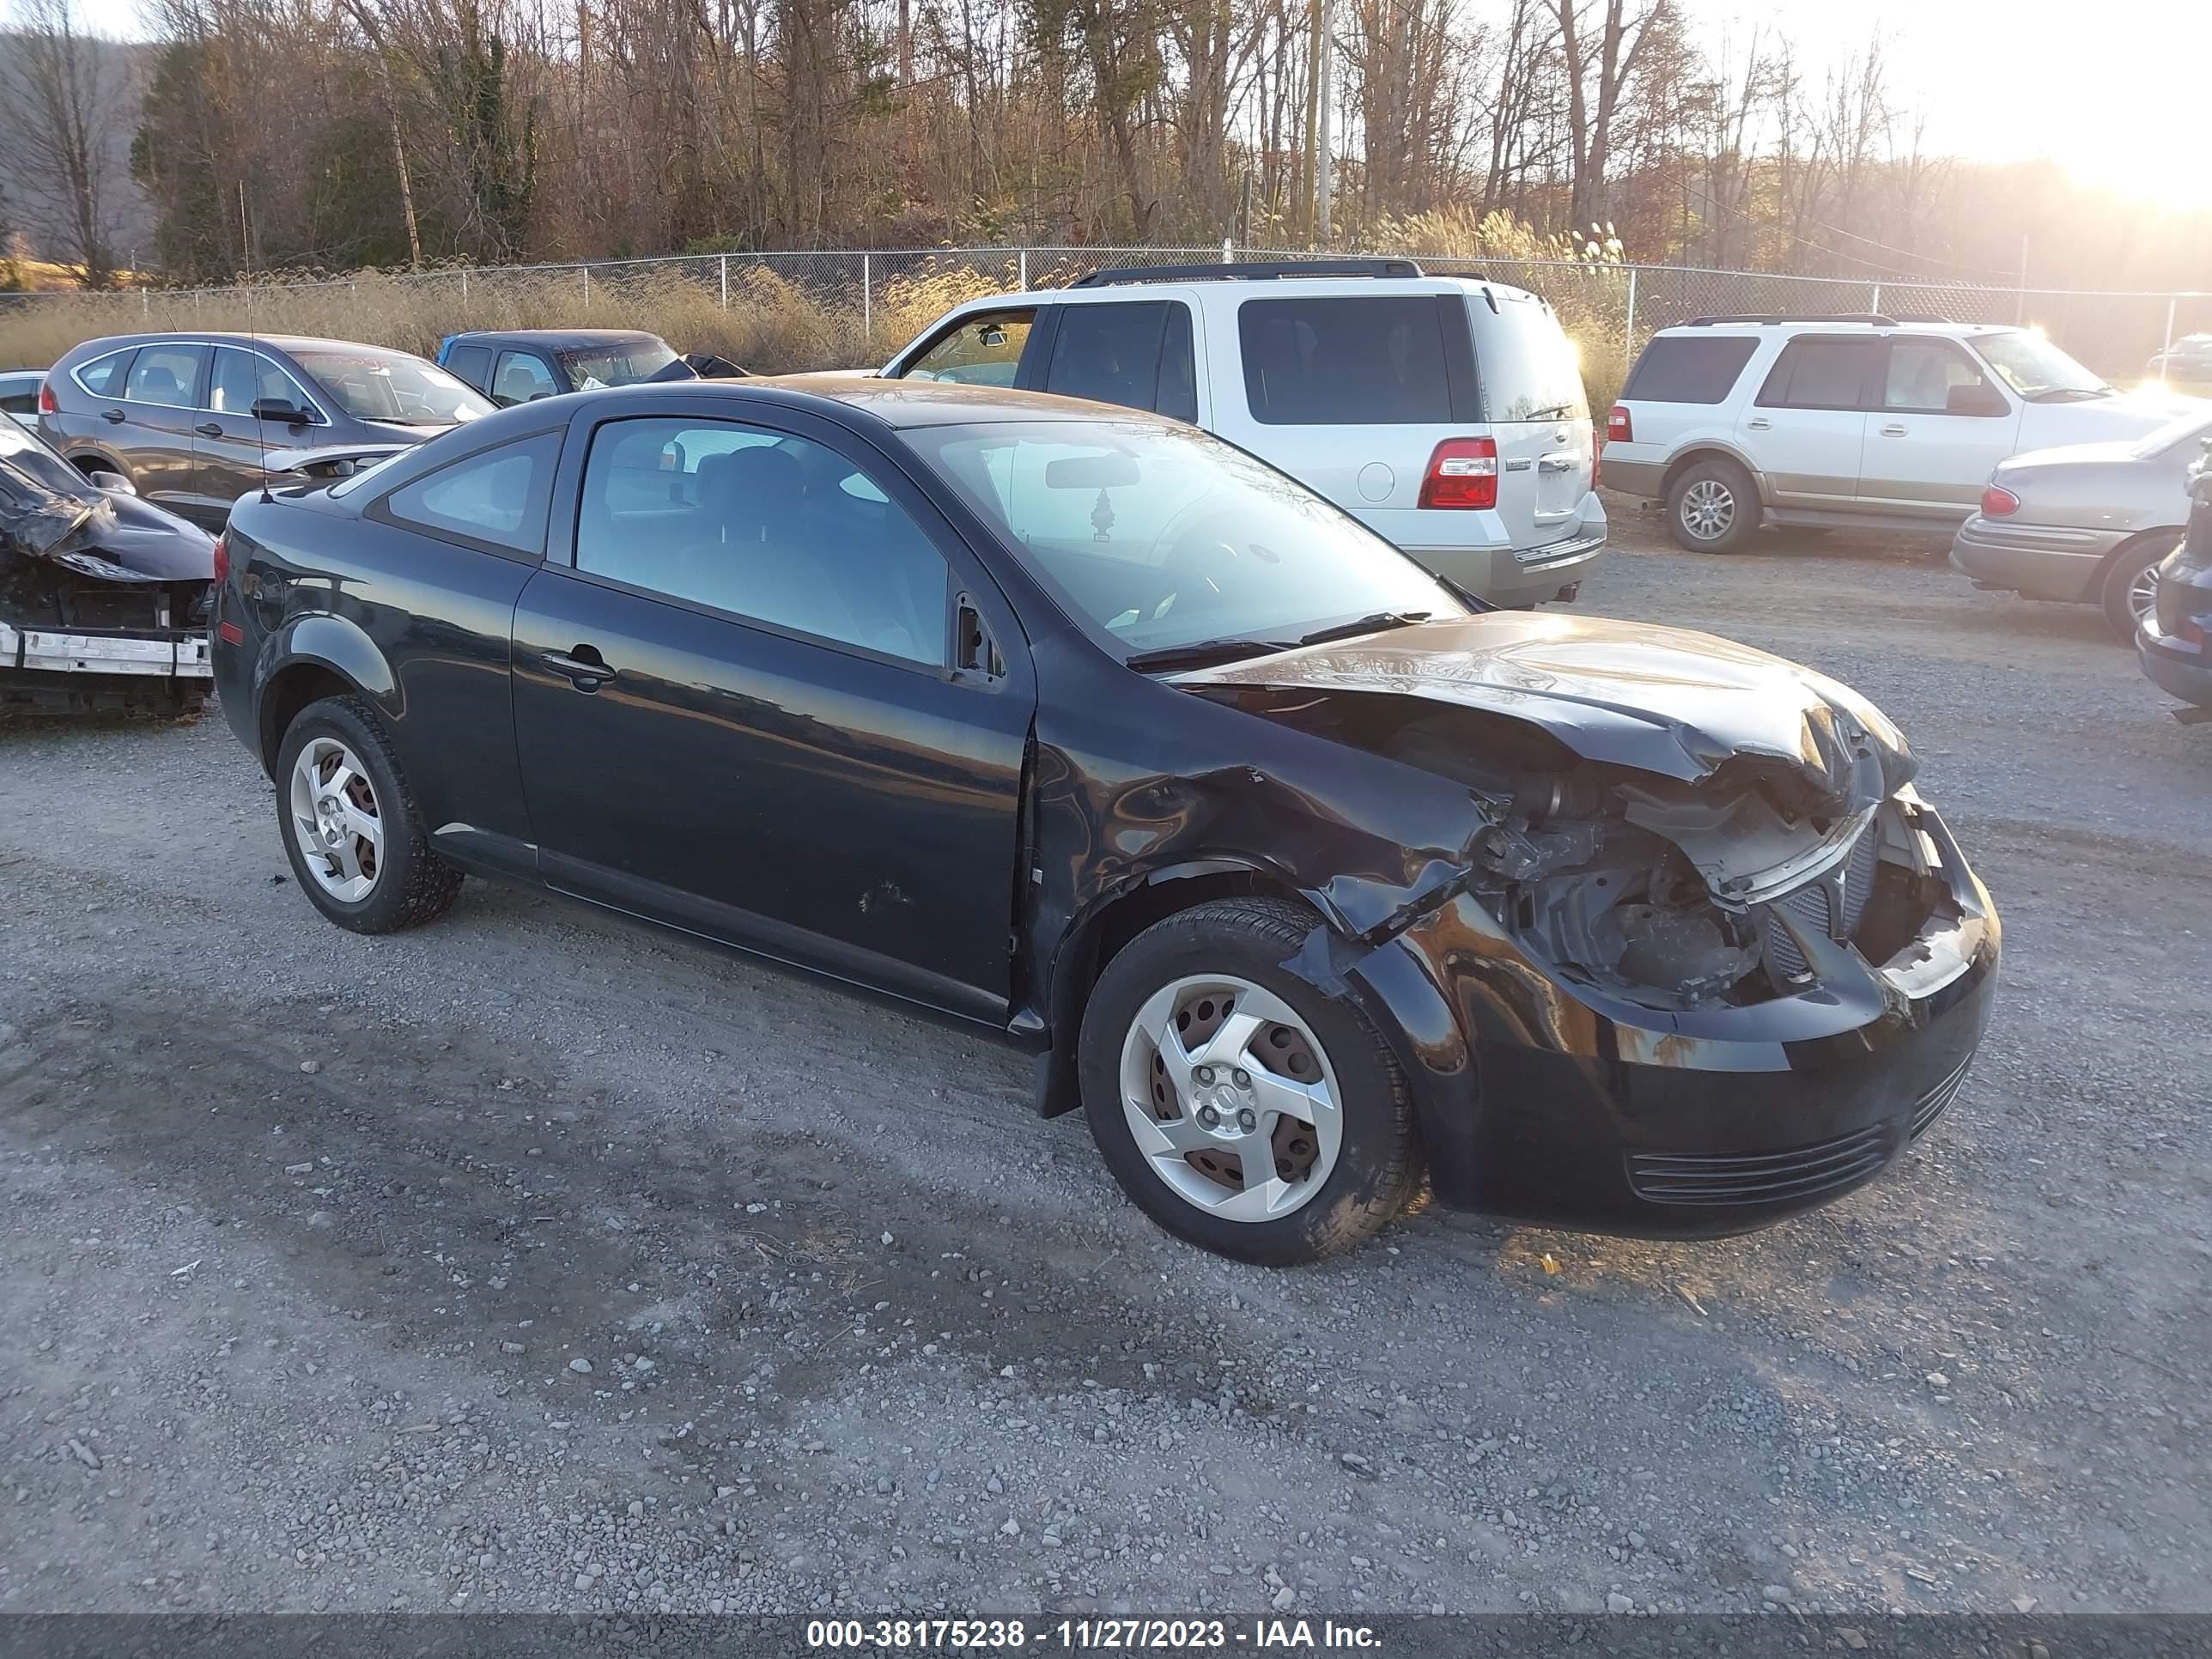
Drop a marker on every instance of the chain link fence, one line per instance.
(815, 309)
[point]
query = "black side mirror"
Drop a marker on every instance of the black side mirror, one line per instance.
(1977, 397)
(282, 411)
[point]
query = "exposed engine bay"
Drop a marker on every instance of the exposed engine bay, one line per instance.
(103, 597)
(1715, 873)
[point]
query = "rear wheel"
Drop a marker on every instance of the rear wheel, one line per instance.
(1713, 506)
(2130, 588)
(1239, 1108)
(356, 842)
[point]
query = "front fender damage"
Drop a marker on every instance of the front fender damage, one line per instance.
(1666, 861)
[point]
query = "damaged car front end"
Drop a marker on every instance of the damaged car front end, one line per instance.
(1708, 958)
(104, 598)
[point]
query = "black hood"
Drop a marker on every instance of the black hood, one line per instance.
(1659, 700)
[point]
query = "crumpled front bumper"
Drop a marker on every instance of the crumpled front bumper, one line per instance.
(1546, 1101)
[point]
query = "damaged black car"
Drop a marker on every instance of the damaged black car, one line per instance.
(1313, 884)
(103, 597)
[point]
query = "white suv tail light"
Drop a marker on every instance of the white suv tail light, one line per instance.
(1619, 428)
(1463, 473)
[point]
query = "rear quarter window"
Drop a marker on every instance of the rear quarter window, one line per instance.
(1688, 369)
(1350, 361)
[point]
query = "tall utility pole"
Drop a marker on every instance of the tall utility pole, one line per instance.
(1309, 194)
(1325, 176)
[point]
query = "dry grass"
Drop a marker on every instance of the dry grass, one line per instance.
(772, 324)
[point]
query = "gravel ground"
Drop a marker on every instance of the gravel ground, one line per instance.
(537, 1260)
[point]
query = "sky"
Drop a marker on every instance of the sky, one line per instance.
(2115, 92)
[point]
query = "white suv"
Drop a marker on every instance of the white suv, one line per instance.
(1446, 415)
(1865, 420)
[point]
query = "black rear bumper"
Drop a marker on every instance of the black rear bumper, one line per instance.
(1541, 1103)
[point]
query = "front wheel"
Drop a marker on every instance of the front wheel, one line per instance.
(1238, 1107)
(356, 842)
(1713, 507)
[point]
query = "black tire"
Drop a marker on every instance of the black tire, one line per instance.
(1743, 505)
(413, 884)
(2128, 562)
(1379, 1164)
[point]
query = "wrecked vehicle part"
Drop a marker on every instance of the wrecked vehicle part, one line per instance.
(103, 597)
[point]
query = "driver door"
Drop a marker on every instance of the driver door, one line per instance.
(739, 706)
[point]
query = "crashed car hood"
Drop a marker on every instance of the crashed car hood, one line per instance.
(1661, 699)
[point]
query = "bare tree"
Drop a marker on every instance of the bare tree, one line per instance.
(1599, 55)
(67, 93)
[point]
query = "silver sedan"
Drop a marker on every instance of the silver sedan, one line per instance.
(2087, 523)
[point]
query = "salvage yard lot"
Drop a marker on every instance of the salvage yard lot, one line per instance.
(537, 1260)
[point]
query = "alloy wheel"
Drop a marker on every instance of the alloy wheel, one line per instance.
(2143, 592)
(1231, 1098)
(335, 820)
(1708, 509)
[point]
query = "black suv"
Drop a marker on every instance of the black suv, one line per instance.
(190, 419)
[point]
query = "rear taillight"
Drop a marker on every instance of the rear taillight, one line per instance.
(1597, 457)
(222, 557)
(1463, 473)
(46, 403)
(1619, 428)
(1999, 503)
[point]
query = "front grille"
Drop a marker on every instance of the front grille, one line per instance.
(1929, 1106)
(1719, 1180)
(1825, 905)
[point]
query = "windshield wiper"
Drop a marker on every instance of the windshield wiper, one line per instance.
(1201, 654)
(2073, 394)
(1372, 624)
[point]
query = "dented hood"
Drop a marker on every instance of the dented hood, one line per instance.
(1661, 700)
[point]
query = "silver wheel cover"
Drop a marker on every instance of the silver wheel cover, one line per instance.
(1708, 509)
(335, 820)
(1230, 1099)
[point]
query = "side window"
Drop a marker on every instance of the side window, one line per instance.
(1178, 397)
(472, 364)
(497, 496)
(522, 375)
(764, 525)
(1350, 361)
(1110, 353)
(20, 398)
(983, 350)
(241, 379)
(1932, 377)
(1814, 372)
(166, 374)
(1685, 368)
(103, 376)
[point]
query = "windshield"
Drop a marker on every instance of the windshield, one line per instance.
(2036, 369)
(623, 364)
(390, 386)
(1160, 537)
(28, 453)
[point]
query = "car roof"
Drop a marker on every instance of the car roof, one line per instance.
(111, 343)
(899, 404)
(1787, 325)
(1267, 287)
(556, 338)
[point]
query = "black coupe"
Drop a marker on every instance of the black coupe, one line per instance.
(1308, 879)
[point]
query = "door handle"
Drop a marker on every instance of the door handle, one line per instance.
(209, 429)
(113, 416)
(1762, 424)
(1894, 430)
(584, 668)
